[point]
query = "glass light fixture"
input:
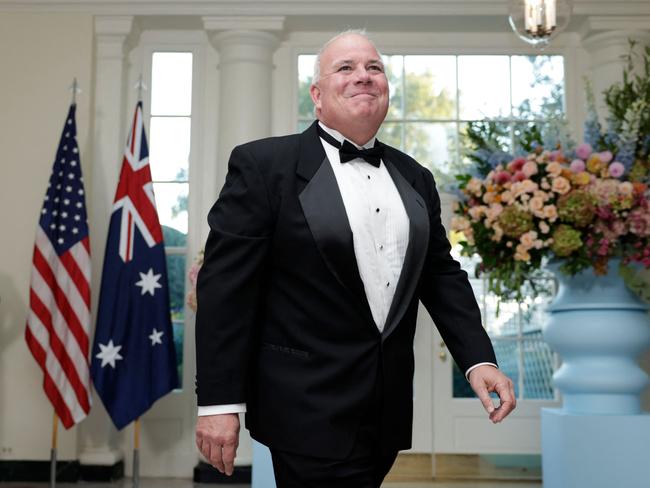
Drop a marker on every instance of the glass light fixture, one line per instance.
(536, 22)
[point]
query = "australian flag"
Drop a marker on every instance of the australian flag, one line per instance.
(133, 356)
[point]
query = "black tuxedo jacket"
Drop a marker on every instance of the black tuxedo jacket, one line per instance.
(283, 323)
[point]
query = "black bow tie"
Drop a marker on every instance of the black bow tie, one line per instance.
(348, 151)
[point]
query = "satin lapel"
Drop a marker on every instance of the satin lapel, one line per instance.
(324, 211)
(415, 251)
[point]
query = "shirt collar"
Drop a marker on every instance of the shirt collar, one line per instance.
(340, 137)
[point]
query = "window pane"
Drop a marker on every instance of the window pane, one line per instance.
(537, 86)
(538, 368)
(391, 133)
(171, 84)
(171, 203)
(305, 75)
(393, 65)
(430, 87)
(434, 146)
(484, 86)
(176, 277)
(170, 148)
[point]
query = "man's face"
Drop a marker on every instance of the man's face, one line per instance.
(353, 88)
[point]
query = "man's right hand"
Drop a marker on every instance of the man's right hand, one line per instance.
(217, 437)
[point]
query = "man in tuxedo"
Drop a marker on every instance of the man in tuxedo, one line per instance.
(322, 244)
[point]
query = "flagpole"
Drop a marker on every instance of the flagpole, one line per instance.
(74, 88)
(136, 453)
(140, 86)
(55, 428)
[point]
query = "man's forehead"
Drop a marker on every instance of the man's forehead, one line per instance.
(350, 48)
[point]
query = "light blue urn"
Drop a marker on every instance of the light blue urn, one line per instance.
(599, 328)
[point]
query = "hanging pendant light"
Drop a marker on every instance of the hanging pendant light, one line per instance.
(538, 21)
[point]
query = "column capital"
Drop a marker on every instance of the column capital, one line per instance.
(111, 32)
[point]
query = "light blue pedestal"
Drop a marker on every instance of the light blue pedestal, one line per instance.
(262, 467)
(595, 451)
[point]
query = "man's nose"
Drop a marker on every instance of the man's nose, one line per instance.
(363, 75)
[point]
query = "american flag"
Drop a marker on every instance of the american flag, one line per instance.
(133, 358)
(59, 297)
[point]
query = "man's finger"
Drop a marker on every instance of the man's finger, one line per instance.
(507, 395)
(484, 396)
(216, 458)
(228, 455)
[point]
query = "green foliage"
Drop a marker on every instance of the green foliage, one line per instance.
(175, 269)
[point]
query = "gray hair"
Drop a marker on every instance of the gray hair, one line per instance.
(360, 32)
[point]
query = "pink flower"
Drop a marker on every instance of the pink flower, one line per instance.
(502, 177)
(529, 169)
(584, 150)
(606, 156)
(616, 169)
(516, 164)
(519, 176)
(577, 165)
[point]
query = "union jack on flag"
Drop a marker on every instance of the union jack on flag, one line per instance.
(133, 356)
(58, 323)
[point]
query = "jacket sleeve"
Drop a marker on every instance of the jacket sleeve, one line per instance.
(230, 282)
(447, 294)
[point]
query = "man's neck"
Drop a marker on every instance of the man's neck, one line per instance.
(362, 140)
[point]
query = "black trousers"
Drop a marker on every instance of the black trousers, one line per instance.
(364, 467)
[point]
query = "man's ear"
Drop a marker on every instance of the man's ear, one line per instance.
(314, 91)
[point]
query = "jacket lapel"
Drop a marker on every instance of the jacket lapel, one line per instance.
(326, 217)
(415, 251)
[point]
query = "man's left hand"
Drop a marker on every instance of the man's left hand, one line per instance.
(486, 379)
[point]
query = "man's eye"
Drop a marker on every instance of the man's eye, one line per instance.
(376, 67)
(344, 68)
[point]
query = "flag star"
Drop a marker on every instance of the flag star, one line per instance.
(80, 192)
(54, 212)
(66, 201)
(79, 205)
(69, 121)
(64, 214)
(52, 226)
(47, 196)
(68, 189)
(75, 230)
(109, 354)
(77, 218)
(73, 163)
(56, 200)
(60, 240)
(62, 160)
(156, 337)
(44, 211)
(60, 173)
(71, 176)
(58, 187)
(149, 282)
(67, 134)
(65, 148)
(61, 227)
(75, 150)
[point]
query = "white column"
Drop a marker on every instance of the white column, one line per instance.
(245, 46)
(98, 436)
(607, 42)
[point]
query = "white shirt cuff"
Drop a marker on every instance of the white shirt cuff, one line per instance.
(475, 366)
(221, 409)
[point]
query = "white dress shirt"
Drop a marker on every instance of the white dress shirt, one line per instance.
(380, 234)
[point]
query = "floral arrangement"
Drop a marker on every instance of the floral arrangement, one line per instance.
(583, 205)
(192, 275)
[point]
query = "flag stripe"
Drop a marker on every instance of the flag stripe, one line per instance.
(52, 392)
(66, 283)
(59, 297)
(60, 344)
(81, 254)
(76, 275)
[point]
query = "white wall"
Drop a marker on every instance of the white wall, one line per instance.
(39, 56)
